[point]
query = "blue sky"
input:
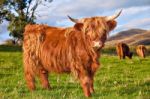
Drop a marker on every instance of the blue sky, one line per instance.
(136, 13)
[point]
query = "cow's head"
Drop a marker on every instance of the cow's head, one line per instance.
(96, 28)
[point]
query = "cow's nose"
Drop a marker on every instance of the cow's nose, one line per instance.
(95, 44)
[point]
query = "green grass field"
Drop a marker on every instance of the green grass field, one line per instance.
(115, 79)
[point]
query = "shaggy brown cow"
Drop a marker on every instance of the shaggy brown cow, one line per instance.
(123, 51)
(74, 49)
(141, 51)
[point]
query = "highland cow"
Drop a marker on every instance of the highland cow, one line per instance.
(141, 51)
(123, 51)
(66, 50)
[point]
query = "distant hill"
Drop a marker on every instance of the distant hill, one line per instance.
(131, 37)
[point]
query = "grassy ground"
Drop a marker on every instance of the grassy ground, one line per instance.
(115, 79)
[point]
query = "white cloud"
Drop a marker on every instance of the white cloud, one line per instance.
(58, 10)
(138, 23)
(135, 12)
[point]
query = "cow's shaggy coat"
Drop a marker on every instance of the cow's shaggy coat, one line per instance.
(141, 51)
(123, 50)
(52, 49)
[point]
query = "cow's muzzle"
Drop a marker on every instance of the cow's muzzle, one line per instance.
(98, 44)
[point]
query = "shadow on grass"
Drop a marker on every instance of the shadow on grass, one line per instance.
(10, 48)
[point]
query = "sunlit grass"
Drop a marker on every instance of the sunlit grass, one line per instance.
(115, 79)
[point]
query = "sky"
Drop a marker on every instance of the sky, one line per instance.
(136, 13)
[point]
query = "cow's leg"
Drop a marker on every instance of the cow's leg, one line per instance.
(30, 80)
(44, 79)
(143, 55)
(85, 84)
(28, 71)
(29, 74)
(91, 85)
(120, 57)
(43, 75)
(94, 67)
(123, 57)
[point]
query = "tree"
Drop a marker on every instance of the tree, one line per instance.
(19, 13)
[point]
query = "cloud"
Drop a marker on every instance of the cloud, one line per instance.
(142, 23)
(58, 10)
(132, 13)
(130, 3)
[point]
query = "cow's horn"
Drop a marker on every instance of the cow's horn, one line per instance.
(108, 18)
(73, 20)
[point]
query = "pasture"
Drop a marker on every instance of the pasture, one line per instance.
(115, 79)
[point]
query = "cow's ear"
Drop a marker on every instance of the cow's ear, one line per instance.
(111, 24)
(78, 26)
